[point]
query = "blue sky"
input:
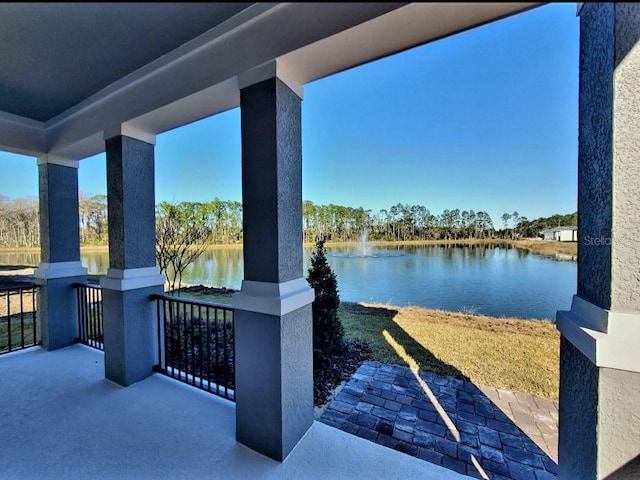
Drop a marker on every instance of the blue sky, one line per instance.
(483, 120)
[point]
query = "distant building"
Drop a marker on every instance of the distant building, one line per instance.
(561, 234)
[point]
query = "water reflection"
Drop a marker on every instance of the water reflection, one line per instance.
(96, 262)
(24, 258)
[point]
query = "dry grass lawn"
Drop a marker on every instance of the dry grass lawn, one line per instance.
(547, 247)
(514, 354)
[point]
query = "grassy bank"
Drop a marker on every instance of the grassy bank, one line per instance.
(542, 247)
(514, 354)
(547, 247)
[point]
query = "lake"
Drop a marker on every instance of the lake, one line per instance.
(485, 279)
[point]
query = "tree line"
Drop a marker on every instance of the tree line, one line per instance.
(220, 222)
(19, 222)
(401, 222)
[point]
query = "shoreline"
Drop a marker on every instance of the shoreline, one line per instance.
(18, 276)
(560, 250)
(224, 291)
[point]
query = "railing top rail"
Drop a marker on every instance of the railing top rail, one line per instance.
(85, 284)
(27, 286)
(191, 301)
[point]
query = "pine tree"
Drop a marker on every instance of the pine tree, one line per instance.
(327, 329)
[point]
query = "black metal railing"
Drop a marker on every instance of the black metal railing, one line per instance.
(18, 318)
(196, 343)
(89, 315)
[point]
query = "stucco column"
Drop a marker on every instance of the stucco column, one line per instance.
(60, 265)
(600, 344)
(130, 324)
(273, 327)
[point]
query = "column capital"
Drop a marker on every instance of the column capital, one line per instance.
(273, 68)
(130, 131)
(57, 160)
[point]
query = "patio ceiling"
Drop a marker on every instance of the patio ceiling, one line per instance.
(71, 72)
(55, 56)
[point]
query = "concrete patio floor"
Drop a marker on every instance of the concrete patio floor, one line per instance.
(60, 419)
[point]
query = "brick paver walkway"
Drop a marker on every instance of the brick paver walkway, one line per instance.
(477, 431)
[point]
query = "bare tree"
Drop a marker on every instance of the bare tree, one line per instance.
(19, 222)
(180, 238)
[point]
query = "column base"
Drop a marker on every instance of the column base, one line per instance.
(274, 366)
(599, 393)
(130, 323)
(47, 271)
(609, 339)
(132, 278)
(273, 298)
(57, 302)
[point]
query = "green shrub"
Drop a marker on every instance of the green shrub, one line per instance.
(327, 328)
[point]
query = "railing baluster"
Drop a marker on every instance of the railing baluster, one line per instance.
(9, 320)
(90, 327)
(79, 309)
(199, 349)
(208, 343)
(90, 317)
(169, 358)
(232, 346)
(226, 358)
(94, 318)
(159, 334)
(16, 305)
(185, 345)
(176, 347)
(95, 312)
(216, 362)
(21, 322)
(193, 350)
(34, 313)
(175, 336)
(82, 329)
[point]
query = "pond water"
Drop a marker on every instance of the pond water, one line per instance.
(485, 279)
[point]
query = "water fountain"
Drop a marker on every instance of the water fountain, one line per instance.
(364, 247)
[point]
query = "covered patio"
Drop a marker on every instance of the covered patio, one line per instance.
(80, 79)
(62, 419)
